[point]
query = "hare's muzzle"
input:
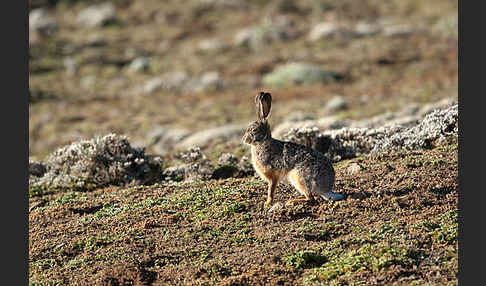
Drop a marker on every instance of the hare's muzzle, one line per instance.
(246, 138)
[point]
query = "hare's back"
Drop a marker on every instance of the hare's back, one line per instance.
(297, 155)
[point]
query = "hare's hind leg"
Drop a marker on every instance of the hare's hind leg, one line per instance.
(297, 181)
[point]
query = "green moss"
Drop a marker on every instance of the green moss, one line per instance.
(304, 259)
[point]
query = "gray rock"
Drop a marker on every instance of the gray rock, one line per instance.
(175, 173)
(297, 73)
(327, 30)
(246, 167)
(436, 127)
(153, 85)
(175, 80)
(323, 30)
(197, 166)
(204, 137)
(139, 64)
(97, 15)
(354, 168)
(211, 46)
(243, 37)
(336, 103)
(364, 29)
(40, 22)
(398, 30)
(439, 123)
(227, 167)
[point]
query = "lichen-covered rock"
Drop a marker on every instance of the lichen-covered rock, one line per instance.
(227, 159)
(197, 166)
(349, 142)
(246, 167)
(99, 162)
(437, 125)
(174, 174)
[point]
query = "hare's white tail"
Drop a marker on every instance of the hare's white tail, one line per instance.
(333, 196)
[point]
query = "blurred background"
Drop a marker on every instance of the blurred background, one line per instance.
(172, 74)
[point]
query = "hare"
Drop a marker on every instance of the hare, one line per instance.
(308, 170)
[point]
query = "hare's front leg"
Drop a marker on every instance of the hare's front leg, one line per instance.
(272, 185)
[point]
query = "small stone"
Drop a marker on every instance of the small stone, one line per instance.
(39, 21)
(139, 64)
(323, 30)
(367, 29)
(70, 65)
(97, 15)
(153, 85)
(337, 103)
(277, 207)
(243, 37)
(354, 168)
(211, 45)
(398, 30)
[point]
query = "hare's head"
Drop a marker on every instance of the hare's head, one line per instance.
(259, 130)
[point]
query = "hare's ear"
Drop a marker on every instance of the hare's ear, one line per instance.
(263, 102)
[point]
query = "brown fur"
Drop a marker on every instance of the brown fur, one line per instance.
(309, 171)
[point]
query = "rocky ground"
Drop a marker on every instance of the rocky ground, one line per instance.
(137, 174)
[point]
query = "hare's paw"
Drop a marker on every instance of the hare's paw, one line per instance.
(267, 204)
